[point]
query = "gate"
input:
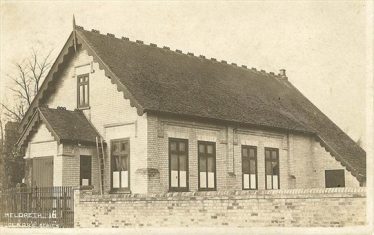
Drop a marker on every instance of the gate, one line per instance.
(37, 207)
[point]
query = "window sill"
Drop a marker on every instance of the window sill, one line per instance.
(120, 191)
(178, 190)
(84, 108)
(206, 190)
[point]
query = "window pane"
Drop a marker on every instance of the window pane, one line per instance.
(174, 162)
(252, 166)
(182, 147)
(210, 149)
(86, 94)
(275, 182)
(210, 179)
(275, 168)
(246, 181)
(174, 178)
(81, 95)
(124, 179)
(124, 165)
(268, 182)
(114, 147)
(183, 162)
(267, 154)
(123, 146)
(252, 153)
(244, 152)
(202, 163)
(274, 155)
(245, 166)
(253, 181)
(269, 170)
(202, 179)
(211, 164)
(201, 148)
(116, 164)
(115, 179)
(183, 179)
(173, 146)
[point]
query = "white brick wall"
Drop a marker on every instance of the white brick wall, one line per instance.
(302, 161)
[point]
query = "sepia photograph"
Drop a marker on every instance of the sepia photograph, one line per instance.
(200, 117)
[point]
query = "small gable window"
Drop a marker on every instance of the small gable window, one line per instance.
(334, 178)
(83, 91)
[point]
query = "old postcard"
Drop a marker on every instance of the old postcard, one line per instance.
(186, 117)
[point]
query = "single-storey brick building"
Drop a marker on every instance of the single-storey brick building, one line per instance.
(126, 117)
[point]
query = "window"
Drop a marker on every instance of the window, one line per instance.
(271, 168)
(334, 178)
(83, 91)
(178, 164)
(207, 165)
(120, 159)
(85, 170)
(249, 167)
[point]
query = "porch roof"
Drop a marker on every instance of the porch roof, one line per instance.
(65, 125)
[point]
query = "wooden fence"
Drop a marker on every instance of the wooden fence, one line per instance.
(37, 207)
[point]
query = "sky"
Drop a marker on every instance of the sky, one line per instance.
(321, 44)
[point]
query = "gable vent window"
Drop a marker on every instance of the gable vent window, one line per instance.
(83, 91)
(334, 178)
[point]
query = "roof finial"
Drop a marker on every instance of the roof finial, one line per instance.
(74, 25)
(74, 34)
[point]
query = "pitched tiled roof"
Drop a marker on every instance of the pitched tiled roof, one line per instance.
(69, 126)
(64, 125)
(164, 81)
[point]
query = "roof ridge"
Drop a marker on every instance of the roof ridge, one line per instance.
(167, 48)
(58, 108)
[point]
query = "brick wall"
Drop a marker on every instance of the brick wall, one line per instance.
(302, 161)
(335, 207)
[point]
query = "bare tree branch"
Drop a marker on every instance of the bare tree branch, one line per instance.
(12, 114)
(27, 79)
(38, 68)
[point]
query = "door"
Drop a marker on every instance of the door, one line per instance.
(42, 172)
(85, 170)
